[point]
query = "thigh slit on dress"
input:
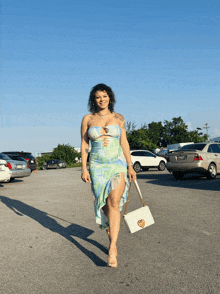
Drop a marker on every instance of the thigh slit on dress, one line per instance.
(106, 163)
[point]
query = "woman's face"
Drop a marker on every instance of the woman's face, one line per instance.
(102, 99)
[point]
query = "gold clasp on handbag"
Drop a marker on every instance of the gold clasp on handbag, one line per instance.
(141, 223)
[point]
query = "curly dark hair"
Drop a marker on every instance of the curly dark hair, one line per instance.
(92, 107)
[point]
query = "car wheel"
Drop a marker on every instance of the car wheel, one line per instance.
(162, 166)
(178, 175)
(137, 167)
(212, 171)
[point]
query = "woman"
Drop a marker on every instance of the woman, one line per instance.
(110, 161)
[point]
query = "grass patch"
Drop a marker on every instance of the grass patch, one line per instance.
(78, 164)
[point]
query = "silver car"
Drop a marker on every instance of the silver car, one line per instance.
(17, 168)
(202, 158)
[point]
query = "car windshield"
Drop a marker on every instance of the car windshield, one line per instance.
(5, 157)
(19, 158)
(28, 156)
(193, 147)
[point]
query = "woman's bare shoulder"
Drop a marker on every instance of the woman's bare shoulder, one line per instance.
(121, 120)
(88, 117)
(119, 116)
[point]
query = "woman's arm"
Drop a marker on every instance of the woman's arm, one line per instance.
(85, 148)
(126, 148)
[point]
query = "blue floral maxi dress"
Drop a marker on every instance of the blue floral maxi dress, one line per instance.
(106, 162)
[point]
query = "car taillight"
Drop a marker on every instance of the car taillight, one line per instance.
(27, 166)
(8, 165)
(27, 159)
(198, 157)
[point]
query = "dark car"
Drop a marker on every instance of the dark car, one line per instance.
(163, 153)
(54, 163)
(30, 159)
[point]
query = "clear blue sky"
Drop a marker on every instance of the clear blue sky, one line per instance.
(161, 58)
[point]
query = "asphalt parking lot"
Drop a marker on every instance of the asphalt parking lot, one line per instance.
(51, 244)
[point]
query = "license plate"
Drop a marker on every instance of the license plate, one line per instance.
(181, 157)
(19, 166)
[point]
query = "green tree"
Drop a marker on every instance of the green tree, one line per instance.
(43, 159)
(130, 127)
(156, 134)
(139, 139)
(198, 137)
(65, 153)
(175, 131)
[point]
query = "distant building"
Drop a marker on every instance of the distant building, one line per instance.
(79, 149)
(216, 139)
(46, 152)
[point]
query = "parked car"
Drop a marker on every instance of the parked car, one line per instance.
(201, 158)
(54, 163)
(144, 159)
(18, 168)
(30, 159)
(163, 153)
(18, 158)
(61, 163)
(5, 174)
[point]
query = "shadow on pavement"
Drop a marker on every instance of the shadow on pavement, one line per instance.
(2, 184)
(191, 181)
(48, 222)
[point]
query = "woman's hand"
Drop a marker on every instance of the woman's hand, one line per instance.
(131, 173)
(86, 176)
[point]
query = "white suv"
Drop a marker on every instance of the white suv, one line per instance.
(144, 159)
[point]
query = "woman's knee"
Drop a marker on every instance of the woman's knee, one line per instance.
(114, 197)
(113, 203)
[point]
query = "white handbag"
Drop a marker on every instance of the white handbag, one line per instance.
(139, 218)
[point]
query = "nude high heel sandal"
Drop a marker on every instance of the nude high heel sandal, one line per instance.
(112, 262)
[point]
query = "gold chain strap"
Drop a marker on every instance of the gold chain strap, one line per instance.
(129, 192)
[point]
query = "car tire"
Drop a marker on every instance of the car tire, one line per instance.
(137, 167)
(162, 166)
(212, 171)
(178, 175)
(11, 180)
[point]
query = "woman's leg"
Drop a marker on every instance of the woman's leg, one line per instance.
(105, 210)
(112, 210)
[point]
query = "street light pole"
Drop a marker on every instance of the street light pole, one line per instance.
(207, 130)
